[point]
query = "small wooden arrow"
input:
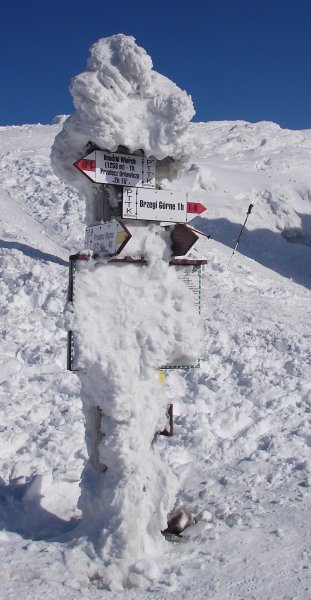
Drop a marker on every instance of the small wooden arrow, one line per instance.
(183, 239)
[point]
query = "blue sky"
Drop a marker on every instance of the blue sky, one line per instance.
(239, 59)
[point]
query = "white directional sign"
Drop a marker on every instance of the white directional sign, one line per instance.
(118, 169)
(159, 205)
(108, 238)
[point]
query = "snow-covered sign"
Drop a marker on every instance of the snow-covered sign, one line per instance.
(159, 205)
(108, 238)
(118, 169)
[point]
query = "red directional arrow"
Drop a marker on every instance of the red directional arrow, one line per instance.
(195, 208)
(85, 164)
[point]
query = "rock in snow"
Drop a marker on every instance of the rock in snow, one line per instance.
(241, 448)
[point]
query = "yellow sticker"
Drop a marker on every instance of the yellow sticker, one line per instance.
(161, 377)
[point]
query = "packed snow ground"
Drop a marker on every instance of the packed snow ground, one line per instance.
(241, 448)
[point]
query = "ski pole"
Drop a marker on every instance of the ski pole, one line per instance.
(237, 242)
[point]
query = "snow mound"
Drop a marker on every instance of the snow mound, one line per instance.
(120, 100)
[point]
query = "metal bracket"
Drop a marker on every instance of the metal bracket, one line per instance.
(169, 431)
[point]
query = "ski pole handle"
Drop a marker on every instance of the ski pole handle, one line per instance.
(250, 208)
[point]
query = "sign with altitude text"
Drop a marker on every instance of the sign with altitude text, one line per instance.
(159, 205)
(107, 238)
(118, 169)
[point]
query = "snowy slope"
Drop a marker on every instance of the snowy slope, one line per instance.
(241, 448)
(39, 219)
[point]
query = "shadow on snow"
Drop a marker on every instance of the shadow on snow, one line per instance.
(22, 513)
(33, 252)
(288, 253)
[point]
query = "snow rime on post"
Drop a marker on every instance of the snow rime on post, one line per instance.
(132, 314)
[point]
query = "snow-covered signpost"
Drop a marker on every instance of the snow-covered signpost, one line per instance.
(132, 313)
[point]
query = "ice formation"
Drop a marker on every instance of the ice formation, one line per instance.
(129, 320)
(121, 100)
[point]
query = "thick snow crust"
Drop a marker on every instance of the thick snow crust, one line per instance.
(128, 321)
(120, 100)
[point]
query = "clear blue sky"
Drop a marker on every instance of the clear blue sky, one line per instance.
(239, 59)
